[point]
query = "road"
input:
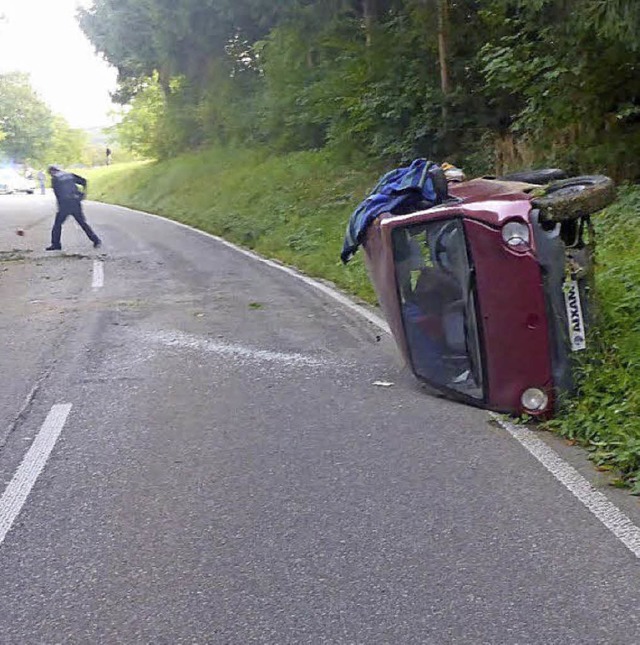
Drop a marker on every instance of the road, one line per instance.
(221, 467)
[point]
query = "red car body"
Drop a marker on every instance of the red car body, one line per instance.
(513, 329)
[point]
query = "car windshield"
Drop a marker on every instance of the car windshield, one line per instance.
(435, 282)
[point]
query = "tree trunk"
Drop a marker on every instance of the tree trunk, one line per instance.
(164, 78)
(443, 33)
(370, 15)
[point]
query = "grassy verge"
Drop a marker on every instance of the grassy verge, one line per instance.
(295, 208)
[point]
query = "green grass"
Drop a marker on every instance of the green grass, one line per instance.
(295, 208)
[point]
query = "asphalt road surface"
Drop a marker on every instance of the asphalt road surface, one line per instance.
(193, 450)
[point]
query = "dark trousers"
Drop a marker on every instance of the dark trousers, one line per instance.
(75, 210)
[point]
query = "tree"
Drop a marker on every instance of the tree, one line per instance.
(125, 33)
(563, 74)
(140, 37)
(138, 131)
(68, 146)
(443, 29)
(24, 119)
(391, 78)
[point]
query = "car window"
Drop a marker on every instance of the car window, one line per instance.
(434, 278)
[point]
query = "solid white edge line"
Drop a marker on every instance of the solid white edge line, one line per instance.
(18, 489)
(595, 501)
(609, 514)
(98, 275)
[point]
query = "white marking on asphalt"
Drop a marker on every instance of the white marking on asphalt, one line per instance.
(609, 514)
(598, 503)
(98, 274)
(186, 341)
(16, 493)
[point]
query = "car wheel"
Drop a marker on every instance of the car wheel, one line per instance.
(573, 198)
(540, 177)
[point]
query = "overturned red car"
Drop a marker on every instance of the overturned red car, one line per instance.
(487, 285)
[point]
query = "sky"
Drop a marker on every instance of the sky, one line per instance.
(42, 38)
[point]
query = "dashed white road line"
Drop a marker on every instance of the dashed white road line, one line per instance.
(609, 514)
(98, 275)
(18, 489)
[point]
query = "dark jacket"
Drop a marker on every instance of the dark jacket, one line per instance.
(65, 186)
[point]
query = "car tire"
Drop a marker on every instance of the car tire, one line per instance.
(539, 177)
(574, 198)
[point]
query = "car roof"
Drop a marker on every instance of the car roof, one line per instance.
(486, 188)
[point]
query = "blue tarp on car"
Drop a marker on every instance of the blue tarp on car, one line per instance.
(406, 187)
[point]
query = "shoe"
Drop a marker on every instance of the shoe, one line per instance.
(97, 244)
(53, 248)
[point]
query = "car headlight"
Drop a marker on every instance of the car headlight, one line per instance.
(516, 235)
(534, 400)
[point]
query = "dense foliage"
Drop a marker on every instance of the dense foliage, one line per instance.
(487, 83)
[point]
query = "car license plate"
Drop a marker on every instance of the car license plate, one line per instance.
(574, 315)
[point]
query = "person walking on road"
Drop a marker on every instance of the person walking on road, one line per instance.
(41, 180)
(65, 186)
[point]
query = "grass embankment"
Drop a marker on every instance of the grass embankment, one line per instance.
(295, 207)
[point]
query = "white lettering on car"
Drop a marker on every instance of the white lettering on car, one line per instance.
(574, 315)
